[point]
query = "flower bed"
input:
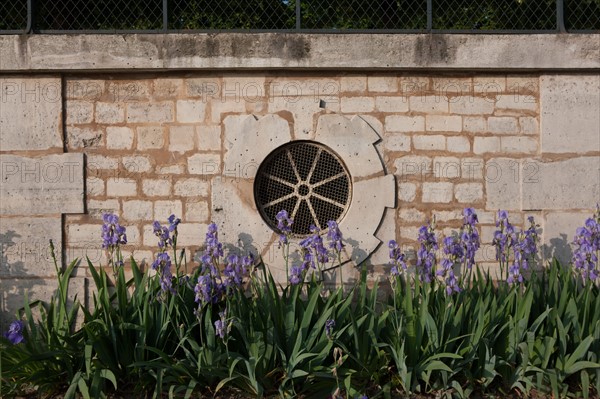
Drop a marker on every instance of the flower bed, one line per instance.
(446, 327)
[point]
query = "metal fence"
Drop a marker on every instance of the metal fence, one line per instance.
(340, 16)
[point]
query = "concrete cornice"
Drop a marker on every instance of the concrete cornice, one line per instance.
(299, 51)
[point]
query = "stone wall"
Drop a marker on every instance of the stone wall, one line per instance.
(147, 144)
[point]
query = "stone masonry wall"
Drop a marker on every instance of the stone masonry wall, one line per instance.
(147, 145)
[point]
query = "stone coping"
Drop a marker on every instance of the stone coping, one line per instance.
(299, 51)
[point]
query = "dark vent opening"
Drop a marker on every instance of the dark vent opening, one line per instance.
(306, 179)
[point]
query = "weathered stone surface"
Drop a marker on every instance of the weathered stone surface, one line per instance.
(304, 109)
(298, 50)
(39, 186)
(569, 184)
(156, 187)
(570, 113)
(164, 209)
(407, 192)
(30, 113)
(468, 193)
(181, 138)
(25, 247)
(235, 213)
(249, 140)
(352, 139)
(558, 232)
(119, 137)
(369, 196)
(429, 142)
(121, 187)
(440, 192)
(196, 211)
(192, 187)
(13, 291)
(502, 186)
(204, 164)
(385, 233)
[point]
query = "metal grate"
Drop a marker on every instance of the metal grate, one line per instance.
(360, 14)
(13, 15)
(494, 15)
(109, 15)
(306, 179)
(233, 14)
(582, 15)
(340, 16)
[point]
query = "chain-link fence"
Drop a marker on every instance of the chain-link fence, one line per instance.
(15, 16)
(53, 16)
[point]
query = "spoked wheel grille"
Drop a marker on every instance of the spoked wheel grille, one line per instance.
(307, 180)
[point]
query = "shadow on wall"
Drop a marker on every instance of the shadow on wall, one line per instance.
(559, 248)
(14, 280)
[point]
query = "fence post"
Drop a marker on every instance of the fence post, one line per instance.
(429, 15)
(29, 27)
(298, 16)
(560, 16)
(165, 15)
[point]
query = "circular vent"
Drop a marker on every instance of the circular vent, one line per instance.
(307, 180)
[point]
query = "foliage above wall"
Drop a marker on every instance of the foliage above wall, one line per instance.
(311, 14)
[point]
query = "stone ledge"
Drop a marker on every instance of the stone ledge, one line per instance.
(208, 51)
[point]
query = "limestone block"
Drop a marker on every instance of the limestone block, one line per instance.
(446, 168)
(443, 123)
(209, 138)
(357, 104)
(352, 139)
(382, 83)
(24, 244)
(458, 144)
(13, 291)
(164, 209)
(156, 187)
(30, 113)
(391, 104)
(570, 113)
(407, 192)
(204, 164)
(502, 185)
(137, 210)
(397, 142)
(191, 111)
(196, 211)
(503, 125)
(569, 184)
(150, 137)
(150, 112)
(192, 187)
(468, 193)
(439, 192)
(429, 142)
(137, 164)
(401, 123)
(110, 112)
(121, 187)
(181, 138)
(468, 105)
(119, 138)
(558, 232)
(304, 110)
(242, 133)
(429, 104)
(51, 184)
(481, 145)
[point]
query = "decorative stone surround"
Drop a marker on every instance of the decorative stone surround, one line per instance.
(249, 139)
